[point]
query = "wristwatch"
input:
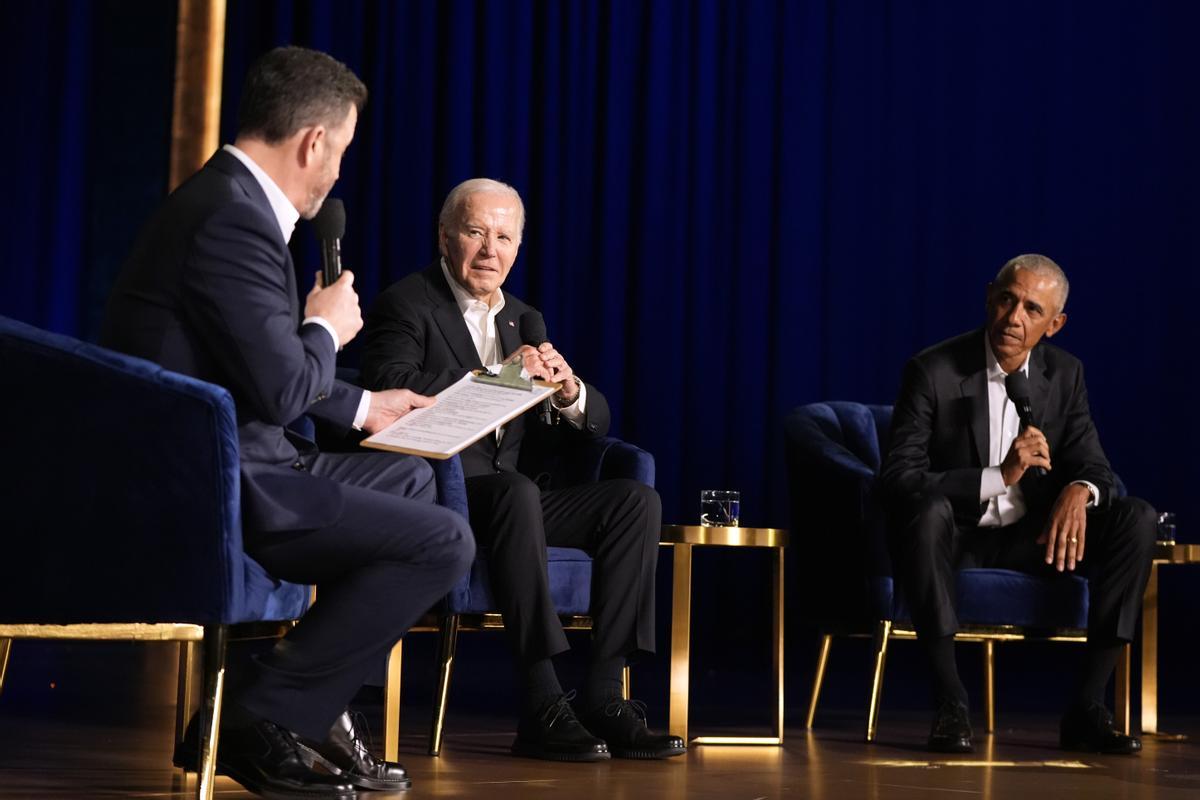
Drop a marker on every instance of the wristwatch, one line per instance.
(578, 387)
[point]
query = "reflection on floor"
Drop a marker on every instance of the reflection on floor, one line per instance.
(95, 744)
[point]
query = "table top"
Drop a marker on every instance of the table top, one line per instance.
(727, 537)
(1176, 553)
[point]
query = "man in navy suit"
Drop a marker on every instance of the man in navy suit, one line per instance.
(430, 329)
(210, 291)
(969, 485)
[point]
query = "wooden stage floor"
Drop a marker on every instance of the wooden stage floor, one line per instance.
(79, 757)
(96, 723)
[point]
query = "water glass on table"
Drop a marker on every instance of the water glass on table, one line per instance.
(720, 508)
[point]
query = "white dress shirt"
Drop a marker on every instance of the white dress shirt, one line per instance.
(1005, 504)
(287, 216)
(481, 323)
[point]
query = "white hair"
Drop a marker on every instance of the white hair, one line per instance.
(459, 194)
(1038, 265)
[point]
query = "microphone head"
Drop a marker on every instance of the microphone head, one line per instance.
(532, 327)
(1017, 387)
(330, 221)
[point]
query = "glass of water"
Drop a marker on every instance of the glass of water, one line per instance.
(720, 508)
(1166, 527)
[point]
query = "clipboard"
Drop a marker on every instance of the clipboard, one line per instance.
(465, 412)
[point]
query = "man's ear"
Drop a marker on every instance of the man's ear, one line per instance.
(311, 140)
(442, 248)
(1056, 324)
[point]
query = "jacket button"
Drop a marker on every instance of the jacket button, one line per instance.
(299, 466)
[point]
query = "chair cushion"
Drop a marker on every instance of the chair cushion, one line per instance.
(570, 573)
(1006, 597)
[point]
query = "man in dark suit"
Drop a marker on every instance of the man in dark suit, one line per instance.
(210, 291)
(968, 485)
(427, 331)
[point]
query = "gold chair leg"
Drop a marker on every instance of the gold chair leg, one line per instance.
(1121, 691)
(989, 684)
(626, 683)
(882, 631)
(5, 649)
(448, 640)
(681, 639)
(391, 703)
(185, 705)
(216, 642)
(818, 679)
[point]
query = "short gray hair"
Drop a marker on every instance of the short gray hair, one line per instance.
(1038, 265)
(459, 194)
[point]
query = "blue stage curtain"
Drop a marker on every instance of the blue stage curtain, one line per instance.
(733, 207)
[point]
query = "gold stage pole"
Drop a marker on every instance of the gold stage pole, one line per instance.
(199, 57)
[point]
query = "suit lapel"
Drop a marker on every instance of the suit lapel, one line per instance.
(506, 328)
(250, 185)
(1039, 386)
(974, 391)
(449, 319)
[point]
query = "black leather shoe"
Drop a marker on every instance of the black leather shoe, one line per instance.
(951, 731)
(555, 734)
(622, 723)
(266, 759)
(1090, 728)
(345, 755)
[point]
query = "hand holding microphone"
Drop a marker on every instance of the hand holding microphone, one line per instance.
(333, 298)
(1029, 450)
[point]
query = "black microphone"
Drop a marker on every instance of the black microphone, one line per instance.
(533, 333)
(1017, 387)
(330, 226)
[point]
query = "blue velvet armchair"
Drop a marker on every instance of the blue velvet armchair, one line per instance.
(123, 515)
(834, 452)
(470, 606)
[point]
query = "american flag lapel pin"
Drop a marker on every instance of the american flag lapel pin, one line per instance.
(512, 324)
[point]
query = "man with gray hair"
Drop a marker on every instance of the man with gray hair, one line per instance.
(970, 482)
(427, 331)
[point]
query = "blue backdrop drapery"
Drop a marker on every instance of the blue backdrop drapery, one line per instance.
(733, 208)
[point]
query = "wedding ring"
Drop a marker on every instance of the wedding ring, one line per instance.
(1072, 540)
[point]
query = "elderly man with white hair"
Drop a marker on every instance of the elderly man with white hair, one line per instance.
(424, 333)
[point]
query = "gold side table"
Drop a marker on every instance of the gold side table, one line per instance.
(683, 538)
(1164, 553)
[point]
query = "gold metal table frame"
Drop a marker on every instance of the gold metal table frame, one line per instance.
(683, 538)
(1164, 553)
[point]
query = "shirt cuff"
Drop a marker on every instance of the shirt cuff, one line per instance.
(991, 484)
(364, 405)
(1095, 492)
(576, 412)
(324, 323)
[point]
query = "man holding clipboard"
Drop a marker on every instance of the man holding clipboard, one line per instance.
(427, 331)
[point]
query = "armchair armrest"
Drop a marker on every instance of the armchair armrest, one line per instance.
(126, 503)
(608, 458)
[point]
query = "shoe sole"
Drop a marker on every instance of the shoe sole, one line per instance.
(649, 755)
(532, 751)
(312, 757)
(267, 792)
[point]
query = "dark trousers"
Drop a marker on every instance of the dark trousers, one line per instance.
(617, 522)
(390, 556)
(931, 546)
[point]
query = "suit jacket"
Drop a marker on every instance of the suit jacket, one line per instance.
(415, 338)
(940, 431)
(210, 291)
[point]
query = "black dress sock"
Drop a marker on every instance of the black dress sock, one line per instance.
(539, 687)
(603, 683)
(946, 683)
(1098, 664)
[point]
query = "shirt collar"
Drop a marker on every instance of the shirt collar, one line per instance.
(463, 297)
(994, 372)
(285, 213)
